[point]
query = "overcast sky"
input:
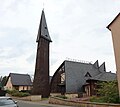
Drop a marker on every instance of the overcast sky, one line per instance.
(77, 29)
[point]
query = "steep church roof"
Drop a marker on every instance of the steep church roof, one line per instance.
(76, 74)
(102, 68)
(43, 29)
(96, 64)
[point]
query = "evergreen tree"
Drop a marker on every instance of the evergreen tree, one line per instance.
(3, 82)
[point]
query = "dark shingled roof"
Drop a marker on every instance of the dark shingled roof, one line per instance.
(105, 76)
(20, 79)
(75, 75)
(43, 29)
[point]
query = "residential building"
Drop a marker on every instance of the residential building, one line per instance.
(114, 27)
(19, 82)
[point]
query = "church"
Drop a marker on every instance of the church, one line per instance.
(71, 77)
(79, 77)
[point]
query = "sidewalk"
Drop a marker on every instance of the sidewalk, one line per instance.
(43, 103)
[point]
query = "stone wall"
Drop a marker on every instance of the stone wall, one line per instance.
(68, 95)
(28, 98)
(71, 96)
(54, 100)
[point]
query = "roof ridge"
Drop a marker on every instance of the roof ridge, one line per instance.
(85, 62)
(18, 74)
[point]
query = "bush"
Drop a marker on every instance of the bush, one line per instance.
(12, 91)
(16, 93)
(108, 92)
(61, 96)
(26, 91)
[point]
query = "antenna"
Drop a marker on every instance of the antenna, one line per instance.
(43, 5)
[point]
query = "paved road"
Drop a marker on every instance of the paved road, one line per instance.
(27, 104)
(37, 104)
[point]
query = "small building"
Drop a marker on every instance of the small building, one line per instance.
(19, 82)
(79, 77)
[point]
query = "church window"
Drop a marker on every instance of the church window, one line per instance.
(62, 77)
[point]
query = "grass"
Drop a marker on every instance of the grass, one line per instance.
(97, 99)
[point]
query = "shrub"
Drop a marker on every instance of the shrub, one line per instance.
(12, 91)
(61, 96)
(16, 93)
(26, 91)
(108, 92)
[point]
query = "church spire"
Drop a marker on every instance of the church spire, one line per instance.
(43, 29)
(41, 77)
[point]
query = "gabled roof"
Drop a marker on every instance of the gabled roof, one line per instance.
(81, 68)
(88, 74)
(43, 29)
(20, 79)
(102, 68)
(96, 64)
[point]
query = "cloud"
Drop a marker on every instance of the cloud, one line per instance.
(77, 29)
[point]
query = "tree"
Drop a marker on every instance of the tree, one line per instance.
(109, 91)
(3, 82)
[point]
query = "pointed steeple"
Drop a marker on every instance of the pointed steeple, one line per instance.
(96, 64)
(102, 68)
(43, 29)
(41, 78)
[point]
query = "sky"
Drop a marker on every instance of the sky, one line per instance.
(76, 27)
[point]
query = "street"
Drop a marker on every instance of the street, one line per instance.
(37, 104)
(28, 104)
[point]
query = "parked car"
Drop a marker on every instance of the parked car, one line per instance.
(7, 102)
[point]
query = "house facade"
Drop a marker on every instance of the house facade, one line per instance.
(77, 77)
(19, 82)
(114, 27)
